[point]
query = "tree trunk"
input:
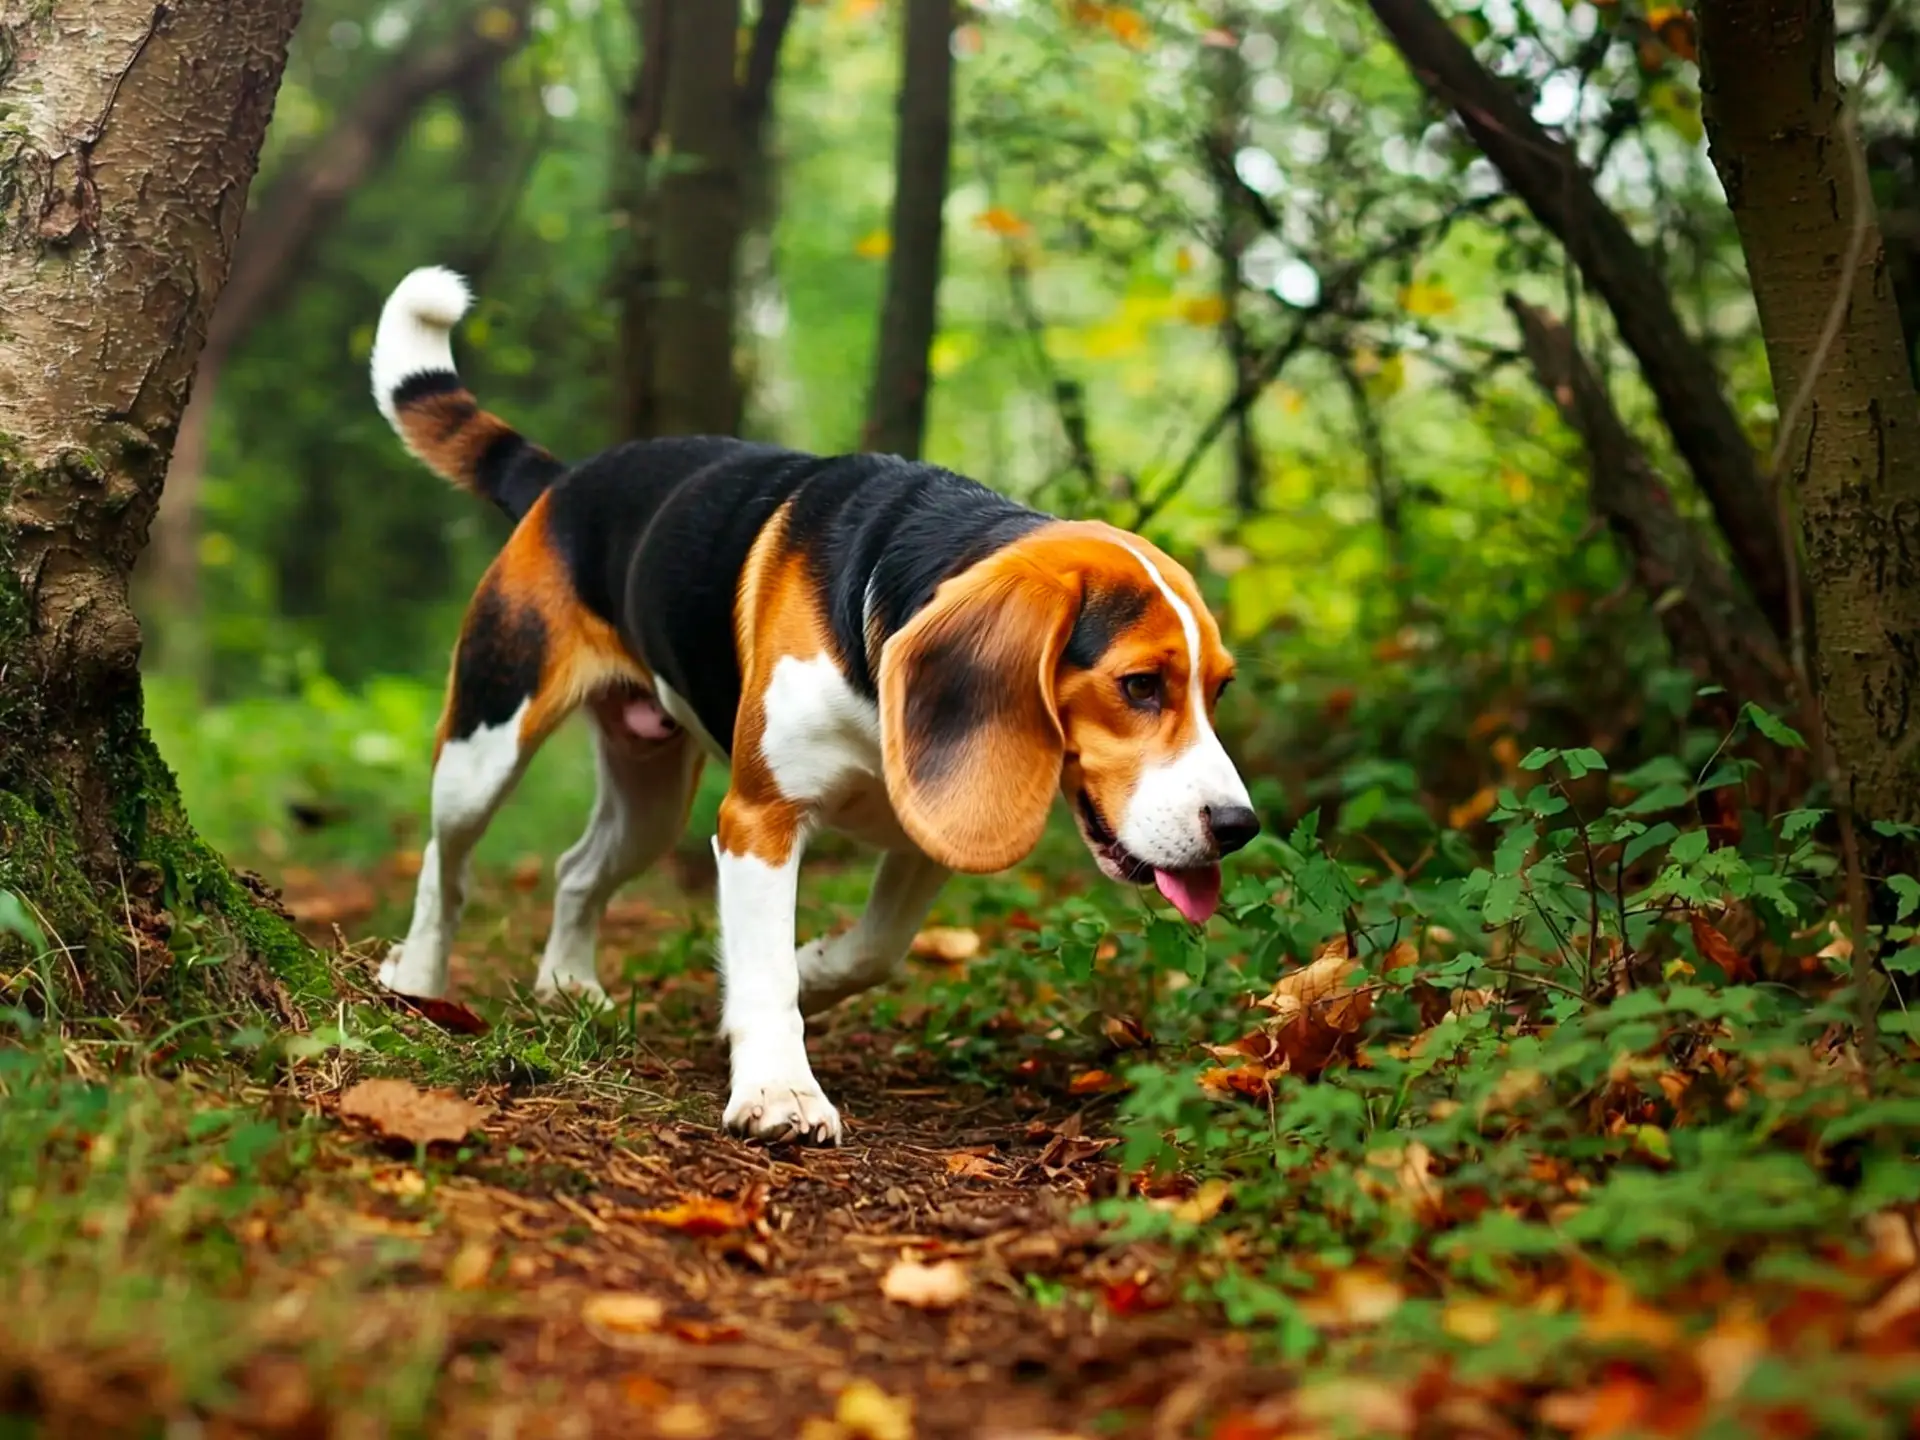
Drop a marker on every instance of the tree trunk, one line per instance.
(1791, 165)
(1712, 625)
(134, 130)
(897, 407)
(698, 216)
(295, 211)
(1559, 192)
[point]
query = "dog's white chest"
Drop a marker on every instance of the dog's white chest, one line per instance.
(821, 744)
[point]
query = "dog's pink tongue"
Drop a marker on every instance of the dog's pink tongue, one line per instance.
(1194, 893)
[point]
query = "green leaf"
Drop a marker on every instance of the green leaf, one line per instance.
(1503, 899)
(1772, 726)
(1908, 889)
(1904, 962)
(1796, 823)
(1652, 840)
(1689, 847)
(1584, 761)
(1661, 797)
(1362, 810)
(1304, 833)
(15, 921)
(1511, 856)
(1539, 758)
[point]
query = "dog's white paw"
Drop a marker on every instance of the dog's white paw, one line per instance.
(775, 1112)
(583, 991)
(422, 982)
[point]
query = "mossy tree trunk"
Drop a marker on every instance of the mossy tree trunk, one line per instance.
(130, 137)
(1781, 143)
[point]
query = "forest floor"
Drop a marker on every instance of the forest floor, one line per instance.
(1672, 1214)
(597, 1257)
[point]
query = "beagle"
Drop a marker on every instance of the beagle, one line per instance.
(876, 646)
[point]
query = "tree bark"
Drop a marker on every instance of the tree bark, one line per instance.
(134, 130)
(923, 143)
(1792, 168)
(699, 214)
(308, 193)
(695, 177)
(1559, 192)
(1712, 625)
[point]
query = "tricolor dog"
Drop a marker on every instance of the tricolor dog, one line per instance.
(875, 646)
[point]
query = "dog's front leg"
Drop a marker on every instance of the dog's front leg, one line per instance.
(775, 1096)
(834, 967)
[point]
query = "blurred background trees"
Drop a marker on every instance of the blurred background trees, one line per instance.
(1422, 330)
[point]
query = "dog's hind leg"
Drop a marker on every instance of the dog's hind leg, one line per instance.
(496, 717)
(646, 788)
(832, 968)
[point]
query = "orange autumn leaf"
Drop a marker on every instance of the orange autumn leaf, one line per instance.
(1091, 1082)
(1675, 28)
(1126, 26)
(1474, 809)
(1000, 221)
(1133, 1296)
(1717, 948)
(702, 1215)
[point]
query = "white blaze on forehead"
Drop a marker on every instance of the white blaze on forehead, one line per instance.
(1164, 822)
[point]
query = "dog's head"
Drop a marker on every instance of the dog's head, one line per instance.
(1079, 659)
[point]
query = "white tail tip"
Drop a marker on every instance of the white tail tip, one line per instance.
(415, 326)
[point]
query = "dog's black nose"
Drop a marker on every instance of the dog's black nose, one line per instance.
(1231, 826)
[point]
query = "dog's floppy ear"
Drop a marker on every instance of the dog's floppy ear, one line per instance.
(968, 726)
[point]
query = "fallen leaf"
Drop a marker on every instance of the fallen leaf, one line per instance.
(702, 1215)
(1124, 1032)
(1132, 1296)
(470, 1266)
(683, 1420)
(868, 1412)
(447, 1014)
(1253, 1081)
(1352, 1299)
(406, 864)
(623, 1312)
(401, 1109)
(947, 943)
(969, 1165)
(1717, 948)
(1205, 1202)
(1316, 1010)
(1090, 1082)
(704, 1332)
(939, 1286)
(526, 871)
(644, 1391)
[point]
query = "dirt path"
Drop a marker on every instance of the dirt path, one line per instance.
(636, 1272)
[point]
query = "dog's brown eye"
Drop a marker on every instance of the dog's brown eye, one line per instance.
(1142, 690)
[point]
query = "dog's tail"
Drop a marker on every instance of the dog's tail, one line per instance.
(421, 394)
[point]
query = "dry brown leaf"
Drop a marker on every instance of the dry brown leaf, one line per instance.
(684, 1420)
(401, 1109)
(947, 943)
(869, 1413)
(1205, 1202)
(972, 1165)
(623, 1312)
(939, 1286)
(1123, 1032)
(470, 1266)
(1353, 1299)
(1316, 1010)
(703, 1215)
(1717, 948)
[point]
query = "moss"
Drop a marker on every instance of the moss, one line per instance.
(159, 858)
